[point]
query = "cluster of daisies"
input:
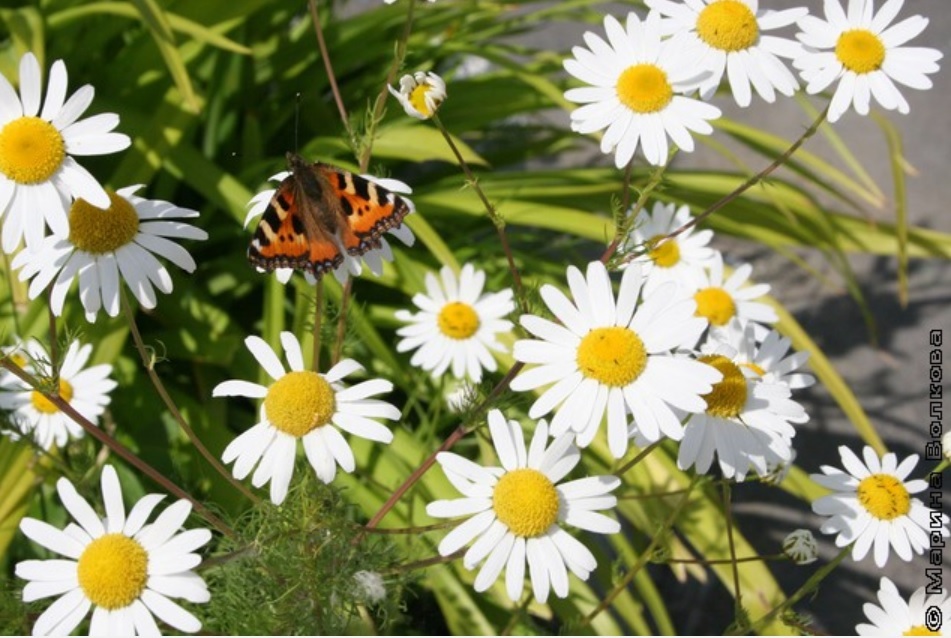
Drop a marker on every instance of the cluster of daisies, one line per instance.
(648, 81)
(680, 349)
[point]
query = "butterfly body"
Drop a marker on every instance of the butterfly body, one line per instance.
(319, 212)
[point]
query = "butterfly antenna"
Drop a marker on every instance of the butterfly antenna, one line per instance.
(297, 123)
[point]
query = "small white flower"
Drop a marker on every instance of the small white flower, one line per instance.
(748, 420)
(727, 37)
(636, 91)
(871, 504)
(104, 246)
(946, 445)
(516, 509)
(38, 175)
(719, 301)
(85, 389)
(124, 569)
(457, 324)
(420, 94)
(680, 259)
(863, 51)
(921, 615)
(801, 547)
(303, 405)
(351, 266)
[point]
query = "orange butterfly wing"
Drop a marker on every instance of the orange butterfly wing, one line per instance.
(318, 211)
(369, 210)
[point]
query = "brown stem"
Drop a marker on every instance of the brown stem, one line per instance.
(752, 181)
(328, 67)
(451, 440)
(119, 449)
(147, 363)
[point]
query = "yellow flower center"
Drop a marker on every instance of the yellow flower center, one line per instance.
(299, 402)
(113, 570)
(860, 51)
(665, 255)
(715, 305)
(921, 630)
(44, 405)
(99, 231)
(417, 98)
(884, 496)
(728, 25)
(644, 88)
(754, 367)
(526, 501)
(728, 397)
(612, 356)
(31, 150)
(458, 320)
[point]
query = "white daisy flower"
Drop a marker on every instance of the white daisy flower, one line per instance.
(516, 511)
(747, 423)
(800, 547)
(719, 301)
(85, 389)
(38, 174)
(106, 245)
(457, 324)
(680, 259)
(351, 266)
(872, 504)
(305, 405)
(727, 37)
(127, 571)
(920, 615)
(608, 357)
(766, 361)
(863, 51)
(420, 94)
(637, 82)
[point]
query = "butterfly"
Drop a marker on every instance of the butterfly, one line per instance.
(318, 212)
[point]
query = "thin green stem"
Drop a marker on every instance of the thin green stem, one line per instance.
(149, 365)
(728, 516)
(116, 447)
(493, 214)
(642, 560)
(342, 320)
(379, 106)
(318, 316)
(637, 459)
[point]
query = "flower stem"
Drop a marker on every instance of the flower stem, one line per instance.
(728, 516)
(493, 214)
(318, 316)
(119, 449)
(380, 103)
(342, 320)
(451, 440)
(149, 364)
(623, 227)
(328, 67)
(623, 583)
(745, 186)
